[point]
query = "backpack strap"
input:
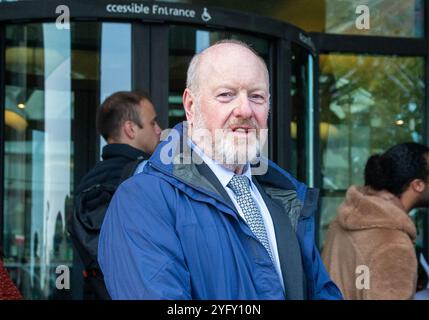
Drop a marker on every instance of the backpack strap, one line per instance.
(130, 168)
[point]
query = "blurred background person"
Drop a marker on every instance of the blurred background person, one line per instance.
(369, 249)
(128, 122)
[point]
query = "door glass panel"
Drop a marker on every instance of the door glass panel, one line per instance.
(368, 104)
(115, 56)
(115, 60)
(397, 18)
(392, 18)
(38, 148)
(52, 88)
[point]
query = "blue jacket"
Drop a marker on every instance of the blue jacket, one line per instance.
(168, 235)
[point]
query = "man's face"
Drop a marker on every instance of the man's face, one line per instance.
(232, 103)
(147, 138)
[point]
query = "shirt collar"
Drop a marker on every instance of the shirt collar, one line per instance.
(223, 174)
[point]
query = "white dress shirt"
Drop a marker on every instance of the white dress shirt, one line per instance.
(224, 176)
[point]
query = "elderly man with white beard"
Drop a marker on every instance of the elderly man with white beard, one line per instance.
(210, 217)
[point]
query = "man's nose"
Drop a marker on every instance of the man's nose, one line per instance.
(243, 109)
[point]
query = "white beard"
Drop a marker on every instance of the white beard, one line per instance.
(226, 148)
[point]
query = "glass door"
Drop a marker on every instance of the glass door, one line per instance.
(368, 103)
(54, 81)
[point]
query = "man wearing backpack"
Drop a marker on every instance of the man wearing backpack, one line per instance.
(127, 121)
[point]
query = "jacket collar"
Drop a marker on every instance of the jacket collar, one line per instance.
(114, 150)
(173, 162)
(365, 208)
(174, 151)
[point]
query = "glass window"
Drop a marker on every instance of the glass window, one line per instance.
(115, 58)
(396, 18)
(115, 61)
(52, 89)
(38, 148)
(184, 43)
(368, 103)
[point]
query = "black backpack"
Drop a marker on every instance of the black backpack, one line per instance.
(84, 228)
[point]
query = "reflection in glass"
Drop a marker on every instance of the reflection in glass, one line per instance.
(115, 58)
(115, 61)
(52, 92)
(392, 18)
(56, 138)
(398, 18)
(368, 103)
(38, 175)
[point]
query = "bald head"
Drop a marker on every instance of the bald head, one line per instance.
(213, 58)
(226, 103)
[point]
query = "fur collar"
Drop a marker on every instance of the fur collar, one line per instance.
(365, 208)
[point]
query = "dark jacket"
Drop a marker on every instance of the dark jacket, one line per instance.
(115, 157)
(169, 233)
(92, 199)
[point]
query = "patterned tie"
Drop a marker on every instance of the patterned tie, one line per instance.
(241, 187)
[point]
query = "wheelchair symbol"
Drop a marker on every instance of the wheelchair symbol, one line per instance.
(206, 15)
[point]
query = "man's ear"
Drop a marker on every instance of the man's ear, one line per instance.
(188, 105)
(128, 129)
(418, 185)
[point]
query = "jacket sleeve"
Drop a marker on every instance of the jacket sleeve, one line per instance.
(139, 252)
(319, 284)
(324, 287)
(392, 273)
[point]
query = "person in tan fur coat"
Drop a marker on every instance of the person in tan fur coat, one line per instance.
(369, 248)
